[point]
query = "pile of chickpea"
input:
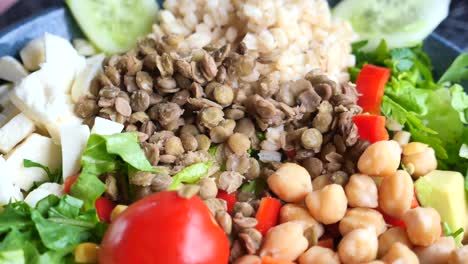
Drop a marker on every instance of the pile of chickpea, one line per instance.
(366, 237)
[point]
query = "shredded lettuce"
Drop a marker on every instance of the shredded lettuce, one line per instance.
(433, 112)
(190, 174)
(103, 154)
(47, 233)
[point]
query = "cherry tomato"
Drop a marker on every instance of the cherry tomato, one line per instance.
(230, 198)
(69, 182)
(104, 208)
(165, 228)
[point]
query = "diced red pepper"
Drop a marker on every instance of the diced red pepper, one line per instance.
(104, 208)
(393, 221)
(326, 243)
(291, 153)
(415, 202)
(69, 182)
(267, 214)
(271, 260)
(370, 84)
(371, 127)
(230, 198)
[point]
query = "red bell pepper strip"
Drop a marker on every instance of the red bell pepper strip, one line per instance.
(371, 127)
(370, 84)
(415, 202)
(230, 198)
(104, 208)
(69, 182)
(267, 214)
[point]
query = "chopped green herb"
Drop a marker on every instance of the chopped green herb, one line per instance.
(260, 135)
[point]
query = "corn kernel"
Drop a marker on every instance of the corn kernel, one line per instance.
(86, 253)
(117, 210)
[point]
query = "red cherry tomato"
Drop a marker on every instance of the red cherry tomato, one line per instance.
(69, 182)
(165, 228)
(104, 209)
(230, 198)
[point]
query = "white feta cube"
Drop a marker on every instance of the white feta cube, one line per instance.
(85, 77)
(8, 191)
(33, 54)
(73, 139)
(104, 126)
(15, 131)
(38, 149)
(42, 192)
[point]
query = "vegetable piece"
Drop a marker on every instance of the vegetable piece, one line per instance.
(69, 182)
(371, 127)
(370, 84)
(98, 21)
(185, 224)
(104, 209)
(415, 202)
(458, 71)
(271, 260)
(230, 198)
(444, 191)
(190, 174)
(86, 253)
(402, 24)
(119, 152)
(267, 214)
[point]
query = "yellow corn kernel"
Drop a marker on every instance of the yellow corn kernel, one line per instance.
(117, 210)
(86, 253)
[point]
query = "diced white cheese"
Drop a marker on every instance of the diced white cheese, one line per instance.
(9, 111)
(85, 77)
(33, 54)
(42, 192)
(104, 126)
(38, 149)
(11, 69)
(8, 191)
(73, 141)
(14, 132)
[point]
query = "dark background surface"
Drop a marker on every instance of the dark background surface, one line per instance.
(454, 28)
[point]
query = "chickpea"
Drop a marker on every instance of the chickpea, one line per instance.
(291, 182)
(320, 182)
(421, 157)
(319, 255)
(327, 205)
(239, 143)
(396, 193)
(359, 245)
(399, 253)
(357, 218)
(248, 259)
(285, 241)
(422, 225)
(294, 212)
(439, 252)
(391, 236)
(459, 256)
(375, 262)
(361, 191)
(380, 159)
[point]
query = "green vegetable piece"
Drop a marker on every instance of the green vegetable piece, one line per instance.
(15, 216)
(260, 135)
(55, 176)
(400, 23)
(444, 191)
(458, 71)
(212, 150)
(12, 257)
(107, 154)
(190, 174)
(256, 186)
(459, 102)
(113, 26)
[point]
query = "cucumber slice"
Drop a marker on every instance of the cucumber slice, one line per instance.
(402, 23)
(114, 26)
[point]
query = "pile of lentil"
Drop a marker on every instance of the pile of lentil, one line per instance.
(294, 140)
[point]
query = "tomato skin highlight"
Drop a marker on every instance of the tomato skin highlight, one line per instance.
(230, 198)
(267, 214)
(165, 228)
(371, 127)
(370, 84)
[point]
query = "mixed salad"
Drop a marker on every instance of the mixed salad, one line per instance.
(228, 132)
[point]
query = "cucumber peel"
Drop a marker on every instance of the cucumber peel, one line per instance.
(401, 23)
(114, 26)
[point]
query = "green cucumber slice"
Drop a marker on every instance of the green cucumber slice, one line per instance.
(114, 25)
(402, 23)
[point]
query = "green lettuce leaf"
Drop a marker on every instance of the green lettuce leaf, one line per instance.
(458, 70)
(105, 154)
(190, 174)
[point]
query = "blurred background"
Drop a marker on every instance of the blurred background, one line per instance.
(454, 28)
